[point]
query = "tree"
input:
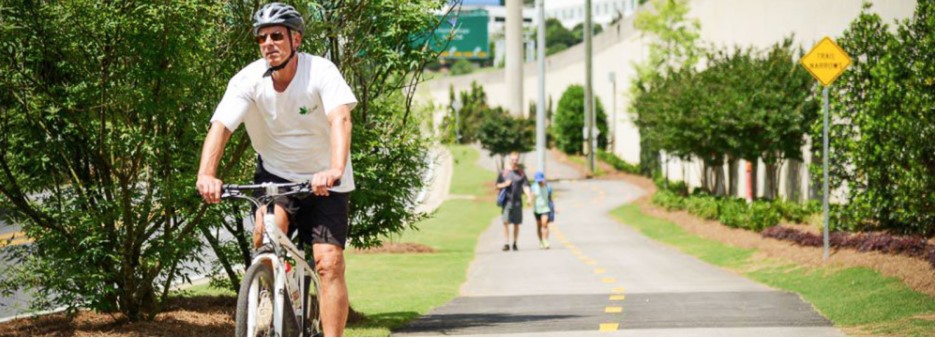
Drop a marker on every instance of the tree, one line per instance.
(99, 130)
(673, 46)
(502, 134)
(473, 111)
(568, 128)
(881, 114)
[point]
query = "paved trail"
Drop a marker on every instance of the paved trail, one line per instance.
(604, 278)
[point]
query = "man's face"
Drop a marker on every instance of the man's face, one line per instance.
(514, 161)
(274, 43)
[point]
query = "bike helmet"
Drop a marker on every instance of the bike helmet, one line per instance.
(278, 14)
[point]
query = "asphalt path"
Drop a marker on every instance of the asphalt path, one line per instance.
(602, 278)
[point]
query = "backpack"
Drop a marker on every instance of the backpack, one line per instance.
(501, 196)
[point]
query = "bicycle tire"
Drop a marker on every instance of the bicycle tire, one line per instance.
(312, 309)
(262, 275)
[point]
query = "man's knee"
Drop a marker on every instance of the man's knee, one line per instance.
(329, 261)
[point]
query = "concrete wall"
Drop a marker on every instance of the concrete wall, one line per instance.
(759, 23)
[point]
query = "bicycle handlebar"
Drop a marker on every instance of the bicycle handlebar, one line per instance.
(237, 190)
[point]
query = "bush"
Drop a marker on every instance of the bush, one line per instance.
(618, 163)
(461, 67)
(668, 200)
(703, 206)
(734, 212)
(569, 121)
(762, 215)
(796, 212)
(677, 187)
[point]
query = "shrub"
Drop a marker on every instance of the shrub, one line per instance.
(733, 212)
(762, 215)
(796, 212)
(569, 121)
(617, 162)
(669, 200)
(703, 206)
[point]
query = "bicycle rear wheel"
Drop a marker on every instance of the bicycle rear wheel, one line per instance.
(255, 303)
(312, 309)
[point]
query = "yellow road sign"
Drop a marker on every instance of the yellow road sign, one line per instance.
(826, 61)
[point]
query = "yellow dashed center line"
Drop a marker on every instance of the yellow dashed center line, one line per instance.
(590, 262)
(617, 297)
(599, 271)
(609, 327)
(613, 309)
(618, 290)
(609, 280)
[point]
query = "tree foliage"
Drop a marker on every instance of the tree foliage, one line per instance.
(673, 46)
(474, 110)
(883, 124)
(502, 134)
(568, 127)
(745, 105)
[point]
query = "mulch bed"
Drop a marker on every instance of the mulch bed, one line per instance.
(395, 248)
(203, 316)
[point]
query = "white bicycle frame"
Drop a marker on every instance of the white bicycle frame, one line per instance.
(282, 286)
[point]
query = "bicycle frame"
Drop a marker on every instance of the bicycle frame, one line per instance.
(282, 245)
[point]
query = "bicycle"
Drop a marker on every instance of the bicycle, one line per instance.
(263, 310)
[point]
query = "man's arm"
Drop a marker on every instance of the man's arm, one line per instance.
(340, 120)
(208, 185)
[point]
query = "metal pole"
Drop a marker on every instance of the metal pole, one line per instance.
(540, 107)
(514, 56)
(612, 127)
(824, 158)
(588, 90)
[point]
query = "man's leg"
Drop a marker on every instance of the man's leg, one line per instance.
(281, 218)
(329, 261)
(504, 216)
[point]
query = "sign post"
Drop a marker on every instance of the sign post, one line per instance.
(826, 61)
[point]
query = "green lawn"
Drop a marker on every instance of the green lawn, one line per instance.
(392, 289)
(853, 298)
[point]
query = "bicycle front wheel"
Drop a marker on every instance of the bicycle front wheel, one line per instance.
(312, 309)
(255, 303)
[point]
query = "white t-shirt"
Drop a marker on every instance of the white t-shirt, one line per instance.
(290, 130)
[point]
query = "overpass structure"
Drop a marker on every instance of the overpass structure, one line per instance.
(724, 23)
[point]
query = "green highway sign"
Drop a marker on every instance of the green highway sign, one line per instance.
(468, 32)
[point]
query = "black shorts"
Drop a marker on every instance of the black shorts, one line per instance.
(318, 219)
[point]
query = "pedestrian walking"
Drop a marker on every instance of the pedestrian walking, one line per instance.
(542, 208)
(512, 183)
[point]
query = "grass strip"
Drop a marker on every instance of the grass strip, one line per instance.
(858, 300)
(392, 289)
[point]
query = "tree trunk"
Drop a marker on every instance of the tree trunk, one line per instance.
(719, 187)
(794, 181)
(704, 176)
(771, 190)
(732, 167)
(754, 179)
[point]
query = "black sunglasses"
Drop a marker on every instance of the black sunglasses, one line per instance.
(277, 36)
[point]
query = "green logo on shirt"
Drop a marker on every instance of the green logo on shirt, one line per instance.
(303, 111)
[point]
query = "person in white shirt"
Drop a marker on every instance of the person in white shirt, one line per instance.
(296, 109)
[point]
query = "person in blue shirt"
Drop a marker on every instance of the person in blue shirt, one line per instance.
(542, 208)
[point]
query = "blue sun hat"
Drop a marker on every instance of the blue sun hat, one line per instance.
(540, 177)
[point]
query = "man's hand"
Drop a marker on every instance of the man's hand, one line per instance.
(504, 184)
(210, 188)
(324, 180)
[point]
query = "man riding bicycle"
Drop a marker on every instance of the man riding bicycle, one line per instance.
(296, 109)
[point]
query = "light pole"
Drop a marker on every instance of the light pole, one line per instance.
(588, 89)
(540, 107)
(612, 129)
(456, 106)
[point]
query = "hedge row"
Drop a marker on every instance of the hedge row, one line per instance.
(912, 246)
(618, 163)
(736, 212)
